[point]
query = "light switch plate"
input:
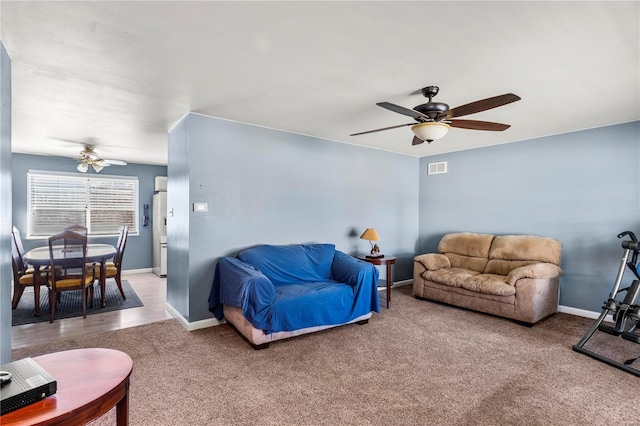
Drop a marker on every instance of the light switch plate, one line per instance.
(200, 207)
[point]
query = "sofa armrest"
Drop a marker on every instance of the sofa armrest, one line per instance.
(433, 261)
(360, 275)
(349, 270)
(239, 284)
(535, 270)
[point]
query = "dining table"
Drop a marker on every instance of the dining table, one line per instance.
(39, 257)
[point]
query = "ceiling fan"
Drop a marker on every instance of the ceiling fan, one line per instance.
(434, 119)
(88, 157)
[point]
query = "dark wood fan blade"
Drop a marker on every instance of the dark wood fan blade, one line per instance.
(478, 125)
(402, 110)
(416, 141)
(384, 128)
(481, 105)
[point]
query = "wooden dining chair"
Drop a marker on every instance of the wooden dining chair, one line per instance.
(17, 242)
(22, 271)
(114, 269)
(68, 249)
(21, 277)
(80, 229)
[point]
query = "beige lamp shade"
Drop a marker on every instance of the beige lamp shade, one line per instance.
(370, 234)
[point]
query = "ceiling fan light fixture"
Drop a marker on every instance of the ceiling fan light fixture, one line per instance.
(97, 167)
(431, 130)
(83, 167)
(436, 118)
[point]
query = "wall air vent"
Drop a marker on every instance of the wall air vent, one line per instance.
(437, 168)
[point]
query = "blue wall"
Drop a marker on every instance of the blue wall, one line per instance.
(272, 187)
(582, 188)
(178, 251)
(265, 186)
(138, 250)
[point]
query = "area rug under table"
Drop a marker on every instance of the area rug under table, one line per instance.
(70, 304)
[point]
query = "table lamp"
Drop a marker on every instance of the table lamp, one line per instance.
(371, 235)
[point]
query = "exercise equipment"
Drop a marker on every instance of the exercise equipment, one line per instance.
(626, 313)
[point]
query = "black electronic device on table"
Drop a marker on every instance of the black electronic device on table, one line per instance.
(24, 382)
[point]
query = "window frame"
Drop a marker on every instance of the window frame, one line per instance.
(76, 179)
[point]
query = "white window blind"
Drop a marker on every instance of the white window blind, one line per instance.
(101, 203)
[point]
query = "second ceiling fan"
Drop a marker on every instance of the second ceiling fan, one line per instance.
(434, 119)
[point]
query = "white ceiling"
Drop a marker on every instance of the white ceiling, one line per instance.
(121, 74)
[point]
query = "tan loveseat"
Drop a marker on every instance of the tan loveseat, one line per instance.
(513, 276)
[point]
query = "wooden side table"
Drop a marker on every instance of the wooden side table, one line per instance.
(388, 261)
(90, 383)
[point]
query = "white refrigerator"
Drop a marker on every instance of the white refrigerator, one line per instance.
(159, 221)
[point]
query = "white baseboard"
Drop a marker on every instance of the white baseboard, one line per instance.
(401, 283)
(582, 313)
(190, 326)
(136, 271)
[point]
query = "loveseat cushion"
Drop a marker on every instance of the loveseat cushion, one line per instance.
(291, 264)
(504, 267)
(476, 264)
(509, 252)
(489, 284)
(466, 249)
(307, 304)
(466, 244)
(453, 277)
(471, 280)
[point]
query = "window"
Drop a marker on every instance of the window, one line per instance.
(102, 204)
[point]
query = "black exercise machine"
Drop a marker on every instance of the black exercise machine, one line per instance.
(626, 313)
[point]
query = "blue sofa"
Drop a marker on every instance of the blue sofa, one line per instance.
(273, 292)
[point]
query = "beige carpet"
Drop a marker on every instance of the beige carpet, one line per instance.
(419, 363)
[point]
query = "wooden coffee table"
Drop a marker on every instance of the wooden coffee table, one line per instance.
(90, 383)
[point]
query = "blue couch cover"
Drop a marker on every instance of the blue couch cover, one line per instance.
(286, 288)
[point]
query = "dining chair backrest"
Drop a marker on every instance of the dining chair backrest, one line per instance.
(73, 248)
(80, 229)
(17, 243)
(122, 242)
(16, 262)
(68, 250)
(21, 278)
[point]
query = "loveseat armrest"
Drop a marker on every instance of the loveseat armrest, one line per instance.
(239, 284)
(349, 270)
(432, 261)
(540, 270)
